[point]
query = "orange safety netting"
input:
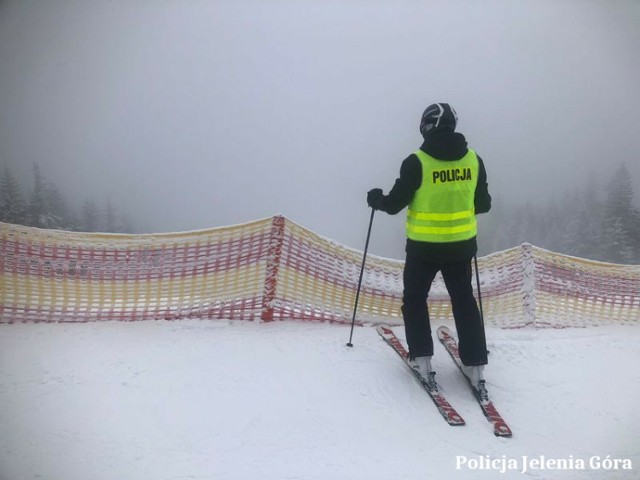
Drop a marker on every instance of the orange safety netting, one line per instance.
(275, 269)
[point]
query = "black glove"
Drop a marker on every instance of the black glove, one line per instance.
(374, 198)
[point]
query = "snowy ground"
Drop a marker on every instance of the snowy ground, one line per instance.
(240, 400)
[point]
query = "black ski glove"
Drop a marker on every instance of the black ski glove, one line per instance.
(375, 198)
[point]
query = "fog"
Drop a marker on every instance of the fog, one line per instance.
(193, 114)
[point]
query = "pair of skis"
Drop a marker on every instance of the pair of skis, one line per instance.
(500, 428)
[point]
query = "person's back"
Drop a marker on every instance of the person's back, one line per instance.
(444, 184)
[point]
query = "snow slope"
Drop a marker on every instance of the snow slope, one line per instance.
(288, 400)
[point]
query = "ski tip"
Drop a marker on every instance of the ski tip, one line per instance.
(501, 429)
(456, 421)
(384, 329)
(444, 331)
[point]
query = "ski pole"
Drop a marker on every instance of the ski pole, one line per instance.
(364, 258)
(475, 260)
(484, 336)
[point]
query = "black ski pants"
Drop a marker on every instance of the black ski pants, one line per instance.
(418, 277)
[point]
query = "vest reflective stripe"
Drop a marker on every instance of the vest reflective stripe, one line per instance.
(442, 209)
(441, 216)
(441, 230)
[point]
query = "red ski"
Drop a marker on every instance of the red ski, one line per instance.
(500, 427)
(446, 410)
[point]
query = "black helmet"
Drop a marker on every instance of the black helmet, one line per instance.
(439, 116)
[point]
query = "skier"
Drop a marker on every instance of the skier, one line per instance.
(444, 184)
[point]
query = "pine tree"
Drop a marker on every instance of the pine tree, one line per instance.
(57, 208)
(90, 216)
(619, 217)
(578, 222)
(12, 205)
(635, 235)
(37, 210)
(47, 207)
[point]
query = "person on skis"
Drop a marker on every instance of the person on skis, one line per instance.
(444, 184)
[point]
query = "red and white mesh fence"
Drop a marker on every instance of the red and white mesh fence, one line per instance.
(274, 269)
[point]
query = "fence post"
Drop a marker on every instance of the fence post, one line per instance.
(528, 285)
(276, 239)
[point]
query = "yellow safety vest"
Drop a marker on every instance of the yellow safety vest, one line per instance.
(442, 209)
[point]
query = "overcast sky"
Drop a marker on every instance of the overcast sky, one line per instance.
(193, 114)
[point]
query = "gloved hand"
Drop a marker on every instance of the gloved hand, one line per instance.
(374, 198)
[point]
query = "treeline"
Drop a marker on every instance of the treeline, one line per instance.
(596, 221)
(44, 206)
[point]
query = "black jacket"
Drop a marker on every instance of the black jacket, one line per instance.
(443, 145)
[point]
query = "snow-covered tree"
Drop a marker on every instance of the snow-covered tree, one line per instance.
(12, 205)
(57, 207)
(38, 211)
(47, 207)
(579, 222)
(620, 244)
(90, 217)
